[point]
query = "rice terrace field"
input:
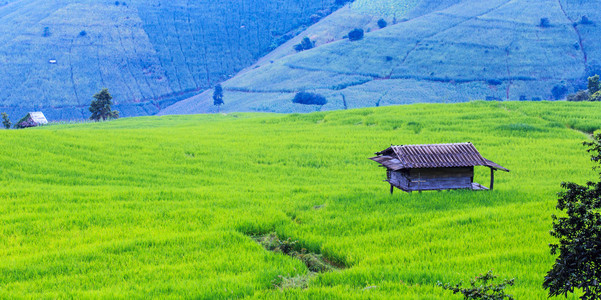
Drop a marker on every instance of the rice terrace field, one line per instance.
(171, 207)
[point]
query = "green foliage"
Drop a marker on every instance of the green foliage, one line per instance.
(596, 96)
(309, 99)
(579, 96)
(101, 107)
(585, 21)
(355, 34)
(218, 95)
(6, 121)
(305, 44)
(382, 23)
(578, 265)
(544, 23)
(593, 84)
(481, 288)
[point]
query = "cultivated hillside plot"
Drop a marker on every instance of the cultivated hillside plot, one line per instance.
(439, 51)
(54, 55)
(177, 205)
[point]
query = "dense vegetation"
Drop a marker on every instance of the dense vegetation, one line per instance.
(433, 51)
(150, 53)
(169, 206)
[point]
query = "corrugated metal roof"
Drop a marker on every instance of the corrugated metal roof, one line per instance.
(38, 117)
(433, 156)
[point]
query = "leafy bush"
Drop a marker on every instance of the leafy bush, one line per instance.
(544, 22)
(593, 84)
(579, 96)
(484, 290)
(382, 23)
(309, 99)
(83, 33)
(305, 44)
(356, 34)
(494, 82)
(578, 265)
(585, 21)
(596, 96)
(6, 121)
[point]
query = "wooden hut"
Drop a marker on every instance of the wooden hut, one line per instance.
(434, 167)
(32, 119)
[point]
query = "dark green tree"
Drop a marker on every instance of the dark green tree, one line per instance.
(579, 96)
(593, 84)
(356, 34)
(578, 265)
(482, 287)
(305, 44)
(101, 107)
(596, 96)
(309, 99)
(218, 96)
(382, 23)
(6, 121)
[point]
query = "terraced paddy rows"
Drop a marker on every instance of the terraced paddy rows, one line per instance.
(164, 206)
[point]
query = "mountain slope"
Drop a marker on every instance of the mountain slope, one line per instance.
(445, 52)
(56, 54)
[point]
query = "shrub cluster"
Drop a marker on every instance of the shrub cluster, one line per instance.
(593, 93)
(305, 44)
(309, 99)
(482, 287)
(356, 34)
(6, 121)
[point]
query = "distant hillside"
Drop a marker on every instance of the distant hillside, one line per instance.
(438, 51)
(54, 55)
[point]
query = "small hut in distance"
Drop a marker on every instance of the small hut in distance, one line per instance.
(434, 167)
(32, 119)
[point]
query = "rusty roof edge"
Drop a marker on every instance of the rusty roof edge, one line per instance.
(494, 165)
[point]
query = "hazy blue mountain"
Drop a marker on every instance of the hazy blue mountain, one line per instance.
(54, 55)
(438, 51)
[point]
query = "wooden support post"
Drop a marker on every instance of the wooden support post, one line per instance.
(391, 189)
(492, 178)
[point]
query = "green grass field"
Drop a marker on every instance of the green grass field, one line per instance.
(164, 206)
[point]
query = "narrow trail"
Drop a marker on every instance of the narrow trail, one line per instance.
(127, 64)
(575, 26)
(99, 65)
(181, 49)
(510, 82)
(71, 71)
